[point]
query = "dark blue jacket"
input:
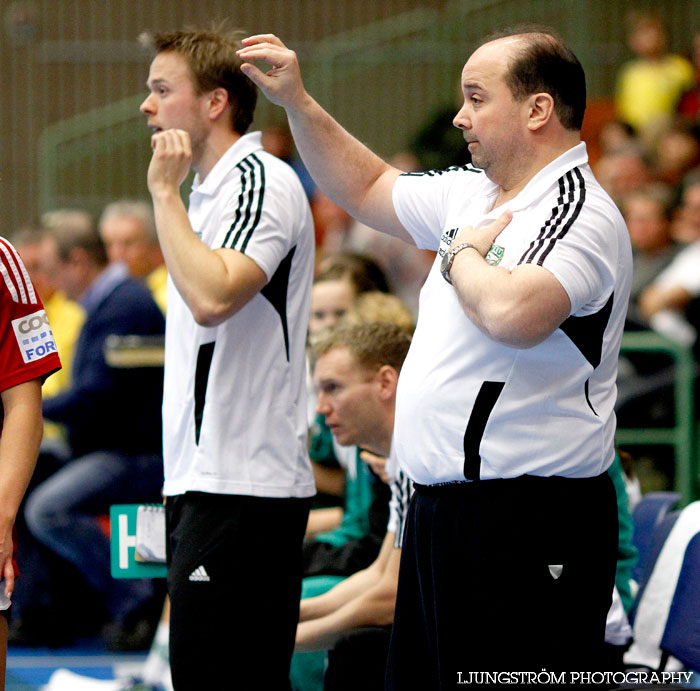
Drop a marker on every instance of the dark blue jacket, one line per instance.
(110, 408)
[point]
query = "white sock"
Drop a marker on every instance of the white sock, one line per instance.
(156, 669)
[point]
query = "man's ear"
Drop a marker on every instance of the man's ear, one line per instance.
(541, 110)
(218, 100)
(387, 378)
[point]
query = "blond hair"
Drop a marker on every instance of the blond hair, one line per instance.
(373, 344)
(211, 56)
(375, 306)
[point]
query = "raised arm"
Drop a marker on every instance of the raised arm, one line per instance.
(342, 167)
(214, 283)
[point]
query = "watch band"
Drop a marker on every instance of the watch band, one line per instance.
(450, 256)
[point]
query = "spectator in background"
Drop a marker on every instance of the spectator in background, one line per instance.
(65, 316)
(331, 298)
(615, 135)
(663, 302)
(364, 272)
(375, 306)
(692, 315)
(650, 85)
(128, 231)
(114, 427)
(356, 373)
(689, 104)
(647, 212)
(667, 305)
(340, 278)
(676, 152)
(685, 227)
(359, 527)
(622, 171)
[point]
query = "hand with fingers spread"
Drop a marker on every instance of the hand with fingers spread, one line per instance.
(170, 164)
(282, 84)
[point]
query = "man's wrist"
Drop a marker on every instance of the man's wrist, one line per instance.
(449, 258)
(164, 193)
(305, 106)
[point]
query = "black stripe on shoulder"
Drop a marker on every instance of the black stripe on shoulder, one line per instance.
(240, 210)
(261, 196)
(250, 203)
(549, 226)
(572, 195)
(467, 167)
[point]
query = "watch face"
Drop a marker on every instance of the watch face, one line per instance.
(445, 264)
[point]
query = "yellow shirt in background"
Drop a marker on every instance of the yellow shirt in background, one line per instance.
(66, 318)
(157, 282)
(648, 90)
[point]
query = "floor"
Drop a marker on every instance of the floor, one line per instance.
(29, 669)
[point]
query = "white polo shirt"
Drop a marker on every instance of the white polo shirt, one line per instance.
(234, 403)
(469, 407)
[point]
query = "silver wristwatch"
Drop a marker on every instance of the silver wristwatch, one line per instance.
(449, 257)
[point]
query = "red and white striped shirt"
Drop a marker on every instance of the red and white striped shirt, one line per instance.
(27, 345)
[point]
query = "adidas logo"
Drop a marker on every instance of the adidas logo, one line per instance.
(199, 574)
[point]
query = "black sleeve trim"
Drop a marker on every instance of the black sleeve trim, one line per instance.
(572, 194)
(250, 204)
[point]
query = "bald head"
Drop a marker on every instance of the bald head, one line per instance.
(538, 61)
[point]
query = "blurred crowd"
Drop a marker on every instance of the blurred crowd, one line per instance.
(648, 160)
(649, 163)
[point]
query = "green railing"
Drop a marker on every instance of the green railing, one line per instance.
(95, 132)
(681, 436)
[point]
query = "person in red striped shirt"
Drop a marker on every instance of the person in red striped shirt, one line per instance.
(27, 356)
